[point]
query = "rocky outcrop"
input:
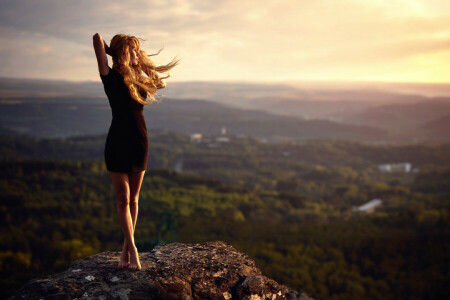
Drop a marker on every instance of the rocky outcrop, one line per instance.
(212, 270)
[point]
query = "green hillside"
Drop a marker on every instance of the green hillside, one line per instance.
(293, 216)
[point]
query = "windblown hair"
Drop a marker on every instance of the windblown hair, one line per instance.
(143, 79)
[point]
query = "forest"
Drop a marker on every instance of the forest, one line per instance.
(289, 206)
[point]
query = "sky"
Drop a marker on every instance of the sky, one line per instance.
(235, 40)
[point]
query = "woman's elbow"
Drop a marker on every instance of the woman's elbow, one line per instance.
(97, 37)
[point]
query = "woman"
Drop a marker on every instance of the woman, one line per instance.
(130, 84)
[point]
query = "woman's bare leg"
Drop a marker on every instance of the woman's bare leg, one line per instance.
(122, 187)
(135, 180)
(135, 187)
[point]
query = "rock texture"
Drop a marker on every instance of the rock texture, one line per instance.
(212, 270)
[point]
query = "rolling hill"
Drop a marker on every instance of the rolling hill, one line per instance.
(63, 117)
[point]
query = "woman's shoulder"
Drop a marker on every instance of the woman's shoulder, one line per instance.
(111, 75)
(107, 74)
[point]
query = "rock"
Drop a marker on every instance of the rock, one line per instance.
(213, 270)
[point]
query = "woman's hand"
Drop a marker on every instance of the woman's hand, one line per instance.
(107, 49)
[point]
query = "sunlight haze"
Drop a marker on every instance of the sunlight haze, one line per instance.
(258, 41)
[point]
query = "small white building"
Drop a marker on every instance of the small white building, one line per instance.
(222, 139)
(399, 167)
(196, 137)
(368, 207)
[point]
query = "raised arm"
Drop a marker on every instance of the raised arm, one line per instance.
(100, 51)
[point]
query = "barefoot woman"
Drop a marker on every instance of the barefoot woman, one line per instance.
(130, 84)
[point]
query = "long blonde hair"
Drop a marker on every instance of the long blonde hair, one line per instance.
(133, 75)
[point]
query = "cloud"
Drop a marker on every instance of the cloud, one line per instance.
(231, 40)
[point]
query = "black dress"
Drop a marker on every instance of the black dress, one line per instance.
(126, 148)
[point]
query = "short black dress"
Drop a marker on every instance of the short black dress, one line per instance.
(126, 148)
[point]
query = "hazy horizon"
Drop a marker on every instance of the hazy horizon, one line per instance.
(412, 88)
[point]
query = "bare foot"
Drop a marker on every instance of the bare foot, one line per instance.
(134, 265)
(124, 261)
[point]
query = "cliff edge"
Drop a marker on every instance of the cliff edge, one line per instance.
(213, 270)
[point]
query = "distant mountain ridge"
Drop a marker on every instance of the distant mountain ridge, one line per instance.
(50, 117)
(405, 116)
(60, 108)
(424, 120)
(438, 129)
